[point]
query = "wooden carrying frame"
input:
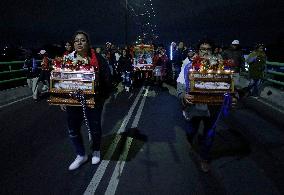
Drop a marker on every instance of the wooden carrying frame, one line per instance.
(207, 95)
(63, 84)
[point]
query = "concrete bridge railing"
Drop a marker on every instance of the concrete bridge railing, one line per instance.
(274, 73)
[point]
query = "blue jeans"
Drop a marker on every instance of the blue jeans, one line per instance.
(75, 119)
(207, 138)
(177, 70)
(126, 78)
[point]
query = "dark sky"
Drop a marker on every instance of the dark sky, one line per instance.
(33, 23)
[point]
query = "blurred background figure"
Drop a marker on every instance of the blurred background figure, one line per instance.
(68, 48)
(45, 70)
(126, 69)
(98, 50)
(161, 63)
(31, 67)
(178, 56)
(188, 59)
(256, 60)
(235, 55)
(218, 52)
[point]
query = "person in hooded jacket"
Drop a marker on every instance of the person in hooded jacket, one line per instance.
(126, 69)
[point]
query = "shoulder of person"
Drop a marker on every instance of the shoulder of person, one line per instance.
(70, 55)
(101, 60)
(253, 53)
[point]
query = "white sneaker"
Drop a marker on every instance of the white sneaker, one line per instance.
(78, 162)
(96, 157)
(127, 89)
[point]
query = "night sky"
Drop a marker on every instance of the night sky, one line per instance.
(34, 23)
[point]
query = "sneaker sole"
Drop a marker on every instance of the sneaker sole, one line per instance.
(78, 166)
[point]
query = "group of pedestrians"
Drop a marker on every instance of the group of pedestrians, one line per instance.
(121, 60)
(209, 114)
(115, 65)
(234, 54)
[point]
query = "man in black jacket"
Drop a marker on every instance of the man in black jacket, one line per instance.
(235, 54)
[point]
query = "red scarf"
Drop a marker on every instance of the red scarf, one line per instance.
(94, 61)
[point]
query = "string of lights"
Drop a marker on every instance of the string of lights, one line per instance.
(145, 21)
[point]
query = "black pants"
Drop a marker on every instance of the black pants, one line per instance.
(208, 135)
(44, 77)
(75, 119)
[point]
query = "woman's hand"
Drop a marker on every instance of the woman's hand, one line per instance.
(187, 99)
(63, 108)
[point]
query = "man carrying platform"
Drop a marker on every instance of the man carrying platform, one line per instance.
(201, 86)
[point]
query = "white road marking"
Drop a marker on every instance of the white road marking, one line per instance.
(92, 187)
(112, 186)
(267, 104)
(5, 105)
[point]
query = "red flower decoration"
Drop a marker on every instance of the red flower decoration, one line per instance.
(57, 62)
(197, 62)
(228, 63)
(142, 46)
(86, 64)
(94, 60)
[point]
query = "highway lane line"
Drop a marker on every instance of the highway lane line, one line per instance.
(267, 104)
(120, 164)
(95, 181)
(8, 104)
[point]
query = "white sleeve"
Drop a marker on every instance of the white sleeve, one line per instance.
(180, 78)
(185, 62)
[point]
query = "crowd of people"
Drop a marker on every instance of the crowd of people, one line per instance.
(234, 54)
(121, 59)
(116, 65)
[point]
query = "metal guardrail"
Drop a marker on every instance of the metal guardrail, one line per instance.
(12, 80)
(275, 72)
(12, 68)
(12, 62)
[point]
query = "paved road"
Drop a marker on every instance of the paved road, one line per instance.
(144, 150)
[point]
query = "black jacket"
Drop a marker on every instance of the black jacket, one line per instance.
(124, 64)
(237, 56)
(31, 68)
(105, 86)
